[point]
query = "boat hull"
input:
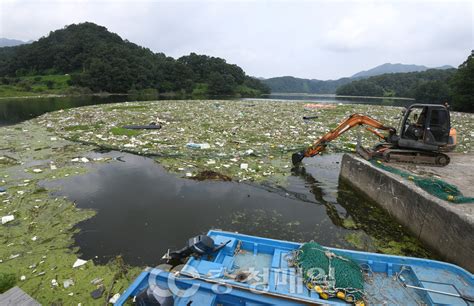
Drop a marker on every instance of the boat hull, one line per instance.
(270, 280)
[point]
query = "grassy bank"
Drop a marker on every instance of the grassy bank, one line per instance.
(35, 85)
(47, 85)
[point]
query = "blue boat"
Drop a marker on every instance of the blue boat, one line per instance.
(225, 268)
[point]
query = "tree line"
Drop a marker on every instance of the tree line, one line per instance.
(289, 84)
(102, 61)
(454, 86)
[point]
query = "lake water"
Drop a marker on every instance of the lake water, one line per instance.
(20, 109)
(142, 210)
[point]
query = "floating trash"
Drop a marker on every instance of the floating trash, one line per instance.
(115, 298)
(6, 219)
(79, 262)
(198, 145)
(97, 293)
(68, 283)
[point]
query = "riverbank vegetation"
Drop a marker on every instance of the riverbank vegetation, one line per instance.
(39, 85)
(419, 85)
(94, 58)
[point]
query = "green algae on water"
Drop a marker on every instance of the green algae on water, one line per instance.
(37, 253)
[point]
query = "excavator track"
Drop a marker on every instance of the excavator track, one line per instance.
(388, 154)
(416, 157)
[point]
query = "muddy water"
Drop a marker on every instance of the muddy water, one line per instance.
(142, 210)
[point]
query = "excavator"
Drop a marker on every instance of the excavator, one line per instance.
(425, 133)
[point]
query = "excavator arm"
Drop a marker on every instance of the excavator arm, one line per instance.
(353, 121)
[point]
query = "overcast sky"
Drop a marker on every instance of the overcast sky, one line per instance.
(309, 39)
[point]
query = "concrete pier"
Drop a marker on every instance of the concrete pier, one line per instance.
(445, 227)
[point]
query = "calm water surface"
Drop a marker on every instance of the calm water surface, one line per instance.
(20, 109)
(142, 210)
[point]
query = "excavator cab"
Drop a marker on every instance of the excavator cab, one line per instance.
(427, 123)
(426, 127)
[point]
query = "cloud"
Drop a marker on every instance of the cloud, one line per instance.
(313, 39)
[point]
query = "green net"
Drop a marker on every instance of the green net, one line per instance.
(433, 186)
(329, 273)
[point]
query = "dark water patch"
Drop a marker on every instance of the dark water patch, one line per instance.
(20, 109)
(143, 210)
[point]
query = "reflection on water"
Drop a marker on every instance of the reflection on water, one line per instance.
(16, 110)
(143, 210)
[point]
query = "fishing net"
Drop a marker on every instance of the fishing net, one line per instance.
(330, 274)
(433, 186)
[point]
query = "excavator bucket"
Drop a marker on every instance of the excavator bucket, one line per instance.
(297, 157)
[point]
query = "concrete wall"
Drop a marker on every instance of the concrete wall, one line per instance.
(442, 226)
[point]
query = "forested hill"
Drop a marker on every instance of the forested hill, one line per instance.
(419, 85)
(102, 61)
(394, 68)
(289, 84)
(432, 86)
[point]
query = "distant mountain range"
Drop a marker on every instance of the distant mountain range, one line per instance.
(394, 68)
(289, 84)
(6, 42)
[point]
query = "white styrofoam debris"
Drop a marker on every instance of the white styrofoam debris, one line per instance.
(8, 218)
(115, 298)
(68, 282)
(79, 262)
